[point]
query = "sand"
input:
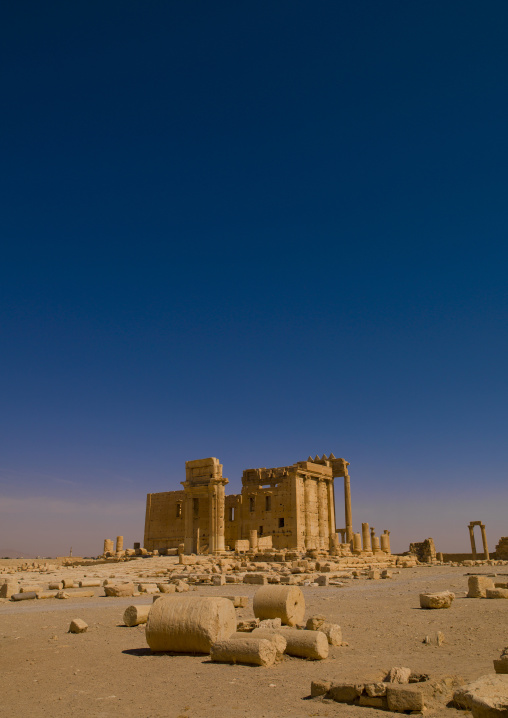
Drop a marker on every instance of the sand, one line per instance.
(109, 671)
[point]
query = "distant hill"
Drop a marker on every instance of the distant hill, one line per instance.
(12, 553)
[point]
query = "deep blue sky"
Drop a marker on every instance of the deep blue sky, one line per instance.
(255, 231)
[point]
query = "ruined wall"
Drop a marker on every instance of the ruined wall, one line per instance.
(268, 506)
(164, 520)
(425, 551)
(502, 549)
(232, 514)
(293, 505)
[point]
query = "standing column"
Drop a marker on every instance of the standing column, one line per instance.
(385, 541)
(212, 519)
(308, 516)
(189, 522)
(473, 544)
(331, 513)
(324, 542)
(367, 546)
(347, 506)
(484, 541)
(221, 544)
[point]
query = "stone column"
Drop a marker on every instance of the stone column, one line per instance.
(367, 546)
(347, 507)
(357, 543)
(212, 518)
(484, 541)
(221, 544)
(108, 546)
(473, 544)
(324, 541)
(253, 540)
(119, 544)
(189, 524)
(331, 513)
(309, 541)
(375, 544)
(385, 541)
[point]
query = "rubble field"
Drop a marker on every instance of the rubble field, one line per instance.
(108, 670)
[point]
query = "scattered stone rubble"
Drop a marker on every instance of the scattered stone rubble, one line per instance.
(402, 691)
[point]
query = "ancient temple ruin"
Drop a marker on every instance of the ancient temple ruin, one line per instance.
(287, 507)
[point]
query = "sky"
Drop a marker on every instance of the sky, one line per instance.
(256, 231)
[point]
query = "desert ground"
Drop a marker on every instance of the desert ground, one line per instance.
(109, 670)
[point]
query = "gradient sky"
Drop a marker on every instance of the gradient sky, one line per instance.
(255, 231)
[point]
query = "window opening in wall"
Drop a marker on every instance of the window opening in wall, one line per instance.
(231, 513)
(178, 510)
(260, 532)
(281, 523)
(268, 503)
(251, 503)
(195, 507)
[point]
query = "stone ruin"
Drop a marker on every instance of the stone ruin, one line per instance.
(287, 508)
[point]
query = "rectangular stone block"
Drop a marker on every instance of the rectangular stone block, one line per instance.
(255, 578)
(345, 692)
(319, 688)
(478, 585)
(404, 698)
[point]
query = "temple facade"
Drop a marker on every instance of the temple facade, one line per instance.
(287, 507)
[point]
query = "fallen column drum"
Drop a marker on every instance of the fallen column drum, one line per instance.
(189, 625)
(284, 602)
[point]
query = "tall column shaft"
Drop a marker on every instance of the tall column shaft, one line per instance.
(332, 533)
(188, 521)
(212, 520)
(324, 542)
(221, 545)
(308, 516)
(367, 546)
(473, 544)
(347, 508)
(484, 541)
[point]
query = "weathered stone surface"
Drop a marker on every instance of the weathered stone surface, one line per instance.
(270, 623)
(26, 596)
(486, 697)
(333, 633)
(345, 692)
(399, 675)
(8, 588)
(78, 626)
(314, 623)
(121, 589)
(443, 599)
(373, 702)
(244, 649)
(166, 587)
(478, 585)
(319, 688)
(501, 665)
(497, 593)
(189, 625)
(404, 698)
(375, 689)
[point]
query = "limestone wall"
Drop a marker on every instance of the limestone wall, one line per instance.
(293, 505)
(164, 520)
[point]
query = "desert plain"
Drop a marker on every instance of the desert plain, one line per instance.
(109, 671)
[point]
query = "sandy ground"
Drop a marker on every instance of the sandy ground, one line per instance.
(109, 671)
